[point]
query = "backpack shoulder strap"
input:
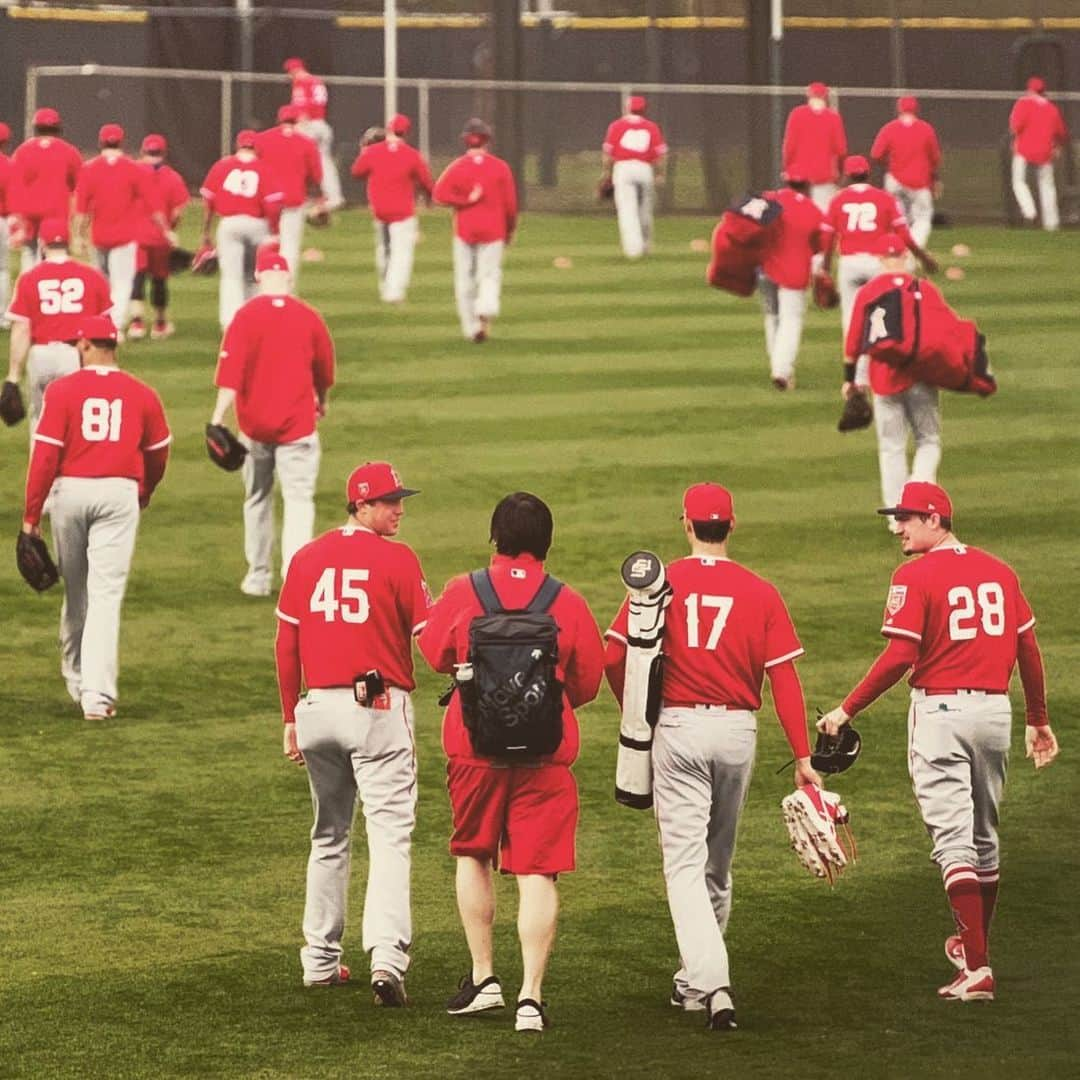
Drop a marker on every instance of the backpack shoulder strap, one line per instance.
(485, 592)
(545, 595)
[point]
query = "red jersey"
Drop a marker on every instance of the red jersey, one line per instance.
(1038, 129)
(276, 354)
(56, 295)
(118, 194)
(909, 151)
(169, 196)
(633, 138)
(801, 231)
(861, 214)
(356, 599)
(966, 610)
(238, 186)
(294, 160)
(310, 97)
(494, 215)
(580, 667)
(394, 170)
(5, 181)
(814, 144)
(725, 626)
(44, 172)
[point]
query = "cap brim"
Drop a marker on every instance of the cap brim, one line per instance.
(893, 510)
(397, 493)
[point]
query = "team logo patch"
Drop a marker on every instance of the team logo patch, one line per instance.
(897, 596)
(363, 488)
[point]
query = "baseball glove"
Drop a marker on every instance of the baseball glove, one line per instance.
(373, 135)
(35, 563)
(606, 188)
(858, 412)
(821, 838)
(205, 260)
(318, 217)
(180, 259)
(825, 295)
(12, 409)
(225, 449)
(835, 753)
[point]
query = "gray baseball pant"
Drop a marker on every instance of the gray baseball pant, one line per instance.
(323, 134)
(635, 194)
(5, 267)
(918, 207)
(44, 364)
(238, 238)
(915, 411)
(477, 282)
(1044, 175)
(118, 265)
(784, 310)
(291, 239)
(395, 246)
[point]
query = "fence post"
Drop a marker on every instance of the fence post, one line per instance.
(226, 113)
(31, 101)
(423, 108)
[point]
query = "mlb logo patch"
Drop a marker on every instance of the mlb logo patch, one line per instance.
(897, 596)
(363, 488)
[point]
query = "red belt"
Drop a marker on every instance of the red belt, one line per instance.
(963, 690)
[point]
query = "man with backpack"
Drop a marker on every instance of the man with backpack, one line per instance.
(525, 651)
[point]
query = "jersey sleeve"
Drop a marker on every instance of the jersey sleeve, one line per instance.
(361, 166)
(211, 186)
(324, 354)
(24, 305)
(620, 625)
(659, 147)
(1025, 617)
(84, 192)
(156, 434)
(53, 422)
(422, 173)
(414, 595)
(290, 605)
(100, 296)
(438, 639)
(1017, 117)
(781, 642)
(853, 340)
(905, 607)
(585, 665)
(609, 138)
(230, 367)
(880, 150)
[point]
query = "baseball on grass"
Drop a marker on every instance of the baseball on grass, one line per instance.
(699, 243)
(961, 251)
(562, 262)
(954, 273)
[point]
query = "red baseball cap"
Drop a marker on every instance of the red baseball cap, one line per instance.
(908, 104)
(110, 133)
(46, 118)
(246, 139)
(891, 244)
(154, 144)
(270, 258)
(708, 502)
(288, 114)
(97, 328)
(1036, 84)
(54, 231)
(294, 63)
(376, 480)
(855, 165)
(5, 132)
(636, 103)
(399, 124)
(817, 89)
(919, 497)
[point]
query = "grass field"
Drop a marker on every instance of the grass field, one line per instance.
(152, 867)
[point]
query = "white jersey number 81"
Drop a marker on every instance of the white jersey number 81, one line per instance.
(101, 419)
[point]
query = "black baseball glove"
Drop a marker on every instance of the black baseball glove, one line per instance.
(606, 188)
(318, 217)
(225, 449)
(858, 412)
(825, 294)
(34, 562)
(180, 259)
(12, 409)
(205, 260)
(835, 753)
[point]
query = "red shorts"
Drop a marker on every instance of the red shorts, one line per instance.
(153, 261)
(524, 820)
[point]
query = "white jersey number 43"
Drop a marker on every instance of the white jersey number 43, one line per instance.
(346, 600)
(696, 604)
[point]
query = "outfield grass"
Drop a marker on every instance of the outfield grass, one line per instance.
(152, 867)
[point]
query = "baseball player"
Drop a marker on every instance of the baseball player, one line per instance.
(802, 231)
(170, 198)
(276, 367)
(726, 629)
(294, 160)
(51, 300)
(1039, 132)
(44, 172)
(104, 439)
(115, 194)
(908, 149)
(814, 144)
(351, 602)
(310, 98)
(5, 248)
(958, 620)
(482, 190)
(394, 170)
(634, 161)
(242, 191)
(519, 817)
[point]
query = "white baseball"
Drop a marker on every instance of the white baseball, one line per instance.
(961, 251)
(699, 243)
(954, 273)
(562, 262)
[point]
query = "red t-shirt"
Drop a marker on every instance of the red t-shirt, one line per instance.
(169, 196)
(1038, 127)
(814, 144)
(44, 172)
(294, 160)
(394, 170)
(800, 233)
(118, 194)
(909, 151)
(633, 138)
(310, 97)
(861, 214)
(235, 186)
(356, 599)
(494, 215)
(5, 181)
(724, 627)
(55, 296)
(445, 642)
(966, 610)
(276, 354)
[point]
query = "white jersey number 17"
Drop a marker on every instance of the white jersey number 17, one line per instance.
(695, 604)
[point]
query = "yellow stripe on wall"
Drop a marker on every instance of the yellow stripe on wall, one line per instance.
(87, 15)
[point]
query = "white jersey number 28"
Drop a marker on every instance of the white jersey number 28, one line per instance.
(695, 604)
(349, 602)
(964, 620)
(101, 419)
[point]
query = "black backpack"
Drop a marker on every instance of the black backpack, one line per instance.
(512, 705)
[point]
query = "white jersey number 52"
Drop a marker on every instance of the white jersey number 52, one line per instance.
(989, 599)
(61, 297)
(695, 604)
(349, 601)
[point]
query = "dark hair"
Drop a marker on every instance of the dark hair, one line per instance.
(711, 532)
(521, 522)
(46, 129)
(859, 178)
(799, 185)
(102, 343)
(946, 522)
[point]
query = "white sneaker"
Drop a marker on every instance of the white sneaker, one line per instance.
(473, 998)
(254, 588)
(684, 1001)
(530, 1016)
